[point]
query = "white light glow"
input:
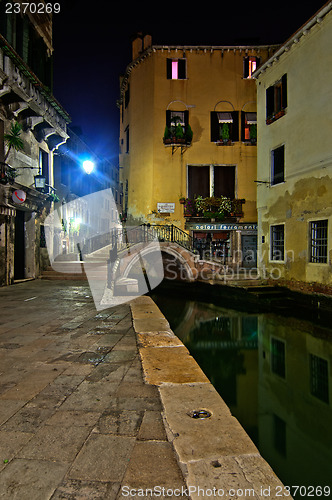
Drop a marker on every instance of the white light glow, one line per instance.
(88, 166)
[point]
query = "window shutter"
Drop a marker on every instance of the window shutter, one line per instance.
(182, 69)
(186, 118)
(169, 68)
(245, 67)
(168, 118)
(269, 101)
(214, 126)
(235, 126)
(278, 165)
(284, 91)
(198, 181)
(243, 126)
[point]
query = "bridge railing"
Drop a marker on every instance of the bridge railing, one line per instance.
(123, 238)
(172, 234)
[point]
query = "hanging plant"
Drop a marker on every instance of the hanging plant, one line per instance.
(13, 139)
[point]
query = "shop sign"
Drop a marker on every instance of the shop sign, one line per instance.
(19, 196)
(222, 227)
(167, 208)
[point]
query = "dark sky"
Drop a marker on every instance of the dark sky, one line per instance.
(92, 47)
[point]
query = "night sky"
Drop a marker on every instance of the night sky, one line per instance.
(92, 47)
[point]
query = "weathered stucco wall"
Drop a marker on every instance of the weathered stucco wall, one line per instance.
(305, 131)
(157, 173)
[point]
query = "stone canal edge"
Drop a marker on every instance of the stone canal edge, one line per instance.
(215, 454)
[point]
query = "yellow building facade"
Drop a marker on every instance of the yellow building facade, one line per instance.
(294, 110)
(188, 132)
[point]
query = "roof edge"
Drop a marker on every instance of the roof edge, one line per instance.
(293, 39)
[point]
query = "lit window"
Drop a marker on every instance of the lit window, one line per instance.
(318, 241)
(277, 242)
(250, 64)
(248, 127)
(176, 69)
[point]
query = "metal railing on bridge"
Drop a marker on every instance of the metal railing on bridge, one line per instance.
(123, 238)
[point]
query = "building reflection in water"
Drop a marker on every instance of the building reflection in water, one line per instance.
(274, 373)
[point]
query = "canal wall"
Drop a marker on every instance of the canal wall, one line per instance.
(216, 455)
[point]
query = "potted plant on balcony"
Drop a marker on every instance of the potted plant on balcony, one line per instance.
(253, 133)
(167, 135)
(225, 133)
(179, 134)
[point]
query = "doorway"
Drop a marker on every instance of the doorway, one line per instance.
(249, 250)
(19, 246)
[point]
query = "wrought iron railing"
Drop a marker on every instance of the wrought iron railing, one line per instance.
(124, 238)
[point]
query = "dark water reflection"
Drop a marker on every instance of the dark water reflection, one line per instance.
(274, 373)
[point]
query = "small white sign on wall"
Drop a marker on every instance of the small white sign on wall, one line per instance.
(165, 208)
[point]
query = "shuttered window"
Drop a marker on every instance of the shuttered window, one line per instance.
(276, 99)
(277, 165)
(176, 69)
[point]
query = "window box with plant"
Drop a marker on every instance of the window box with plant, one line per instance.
(224, 127)
(213, 207)
(177, 130)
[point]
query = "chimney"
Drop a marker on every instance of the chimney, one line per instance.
(140, 43)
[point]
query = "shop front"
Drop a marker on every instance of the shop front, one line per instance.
(229, 244)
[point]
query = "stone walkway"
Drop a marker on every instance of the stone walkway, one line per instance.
(77, 420)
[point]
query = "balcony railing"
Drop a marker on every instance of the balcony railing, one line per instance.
(218, 208)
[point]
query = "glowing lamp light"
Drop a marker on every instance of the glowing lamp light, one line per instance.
(88, 166)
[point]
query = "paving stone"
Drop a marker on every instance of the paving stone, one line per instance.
(31, 385)
(153, 463)
(91, 396)
(195, 439)
(27, 419)
(120, 356)
(120, 422)
(68, 418)
(86, 490)
(10, 443)
(170, 365)
(103, 458)
(30, 479)
(152, 427)
(52, 443)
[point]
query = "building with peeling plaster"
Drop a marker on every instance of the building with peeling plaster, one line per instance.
(187, 132)
(294, 164)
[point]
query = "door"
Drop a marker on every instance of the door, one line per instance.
(19, 248)
(249, 250)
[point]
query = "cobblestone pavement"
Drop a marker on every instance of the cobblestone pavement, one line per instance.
(77, 420)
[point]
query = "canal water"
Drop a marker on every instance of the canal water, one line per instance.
(274, 373)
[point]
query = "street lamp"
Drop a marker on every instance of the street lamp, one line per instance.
(88, 166)
(40, 182)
